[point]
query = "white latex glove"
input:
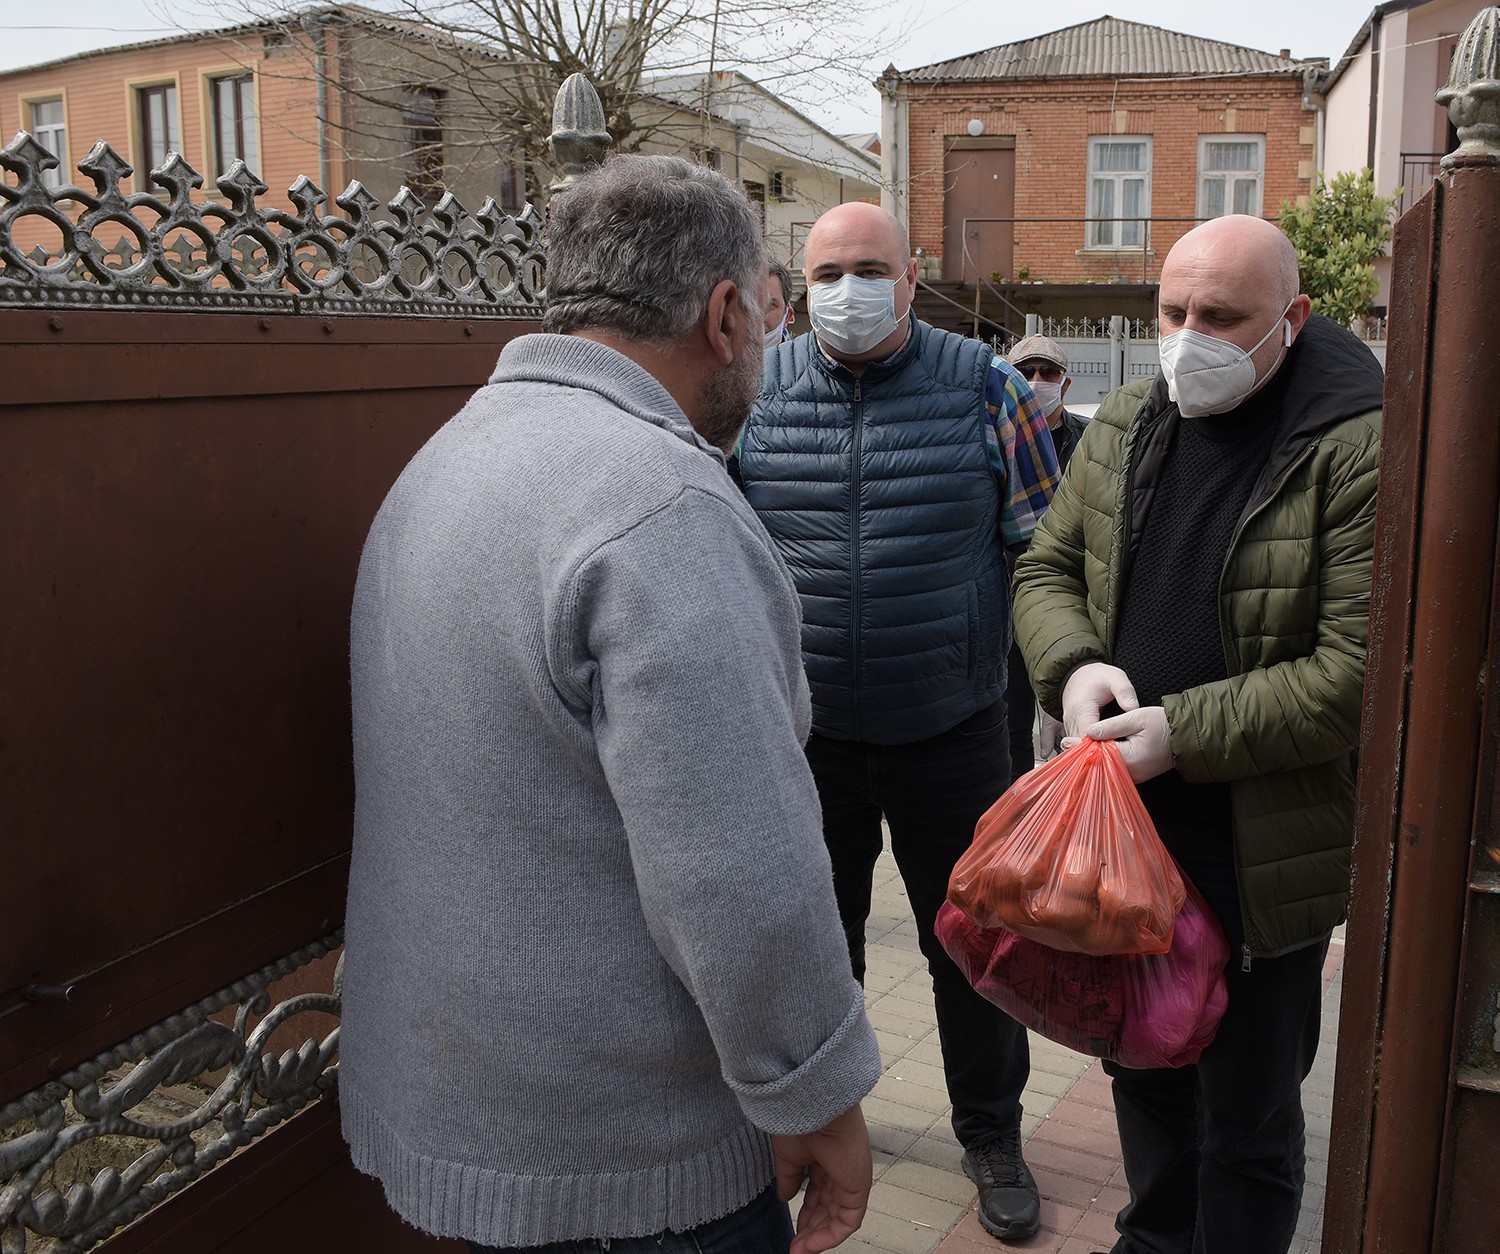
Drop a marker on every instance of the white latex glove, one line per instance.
(1048, 735)
(1088, 690)
(1144, 739)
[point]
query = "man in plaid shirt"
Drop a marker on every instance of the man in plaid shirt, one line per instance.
(893, 465)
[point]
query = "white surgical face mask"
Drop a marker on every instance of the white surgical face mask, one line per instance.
(1048, 395)
(1206, 375)
(777, 335)
(854, 314)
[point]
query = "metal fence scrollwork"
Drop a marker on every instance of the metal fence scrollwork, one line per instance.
(69, 246)
(110, 1114)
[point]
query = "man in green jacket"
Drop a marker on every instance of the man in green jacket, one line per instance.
(1199, 593)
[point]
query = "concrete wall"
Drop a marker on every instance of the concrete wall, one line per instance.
(772, 138)
(1346, 130)
(1411, 50)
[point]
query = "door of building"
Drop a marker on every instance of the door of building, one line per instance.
(979, 184)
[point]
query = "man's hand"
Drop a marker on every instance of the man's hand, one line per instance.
(1089, 689)
(836, 1161)
(1144, 739)
(1050, 733)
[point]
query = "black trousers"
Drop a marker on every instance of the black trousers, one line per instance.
(1020, 703)
(1214, 1153)
(931, 794)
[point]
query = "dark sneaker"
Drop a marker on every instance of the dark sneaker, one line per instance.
(1008, 1204)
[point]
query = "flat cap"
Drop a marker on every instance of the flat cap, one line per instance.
(1035, 347)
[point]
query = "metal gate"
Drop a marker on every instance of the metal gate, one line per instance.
(196, 427)
(1416, 1119)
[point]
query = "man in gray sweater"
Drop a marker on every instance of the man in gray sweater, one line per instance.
(595, 983)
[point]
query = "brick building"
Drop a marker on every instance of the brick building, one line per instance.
(341, 92)
(338, 94)
(1079, 157)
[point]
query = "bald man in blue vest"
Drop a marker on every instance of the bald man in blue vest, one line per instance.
(893, 465)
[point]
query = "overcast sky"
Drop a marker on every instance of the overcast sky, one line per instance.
(923, 31)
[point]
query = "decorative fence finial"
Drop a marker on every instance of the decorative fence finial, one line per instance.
(578, 138)
(1472, 96)
(110, 247)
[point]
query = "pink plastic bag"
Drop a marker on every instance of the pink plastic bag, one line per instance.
(1069, 857)
(1140, 1010)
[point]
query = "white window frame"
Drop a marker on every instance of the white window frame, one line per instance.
(52, 136)
(219, 162)
(1228, 178)
(1099, 236)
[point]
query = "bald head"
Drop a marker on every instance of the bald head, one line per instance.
(1233, 278)
(1251, 248)
(866, 242)
(872, 226)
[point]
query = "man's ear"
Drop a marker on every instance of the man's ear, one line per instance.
(1298, 314)
(724, 321)
(1067, 383)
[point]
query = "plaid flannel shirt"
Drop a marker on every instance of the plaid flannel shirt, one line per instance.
(1019, 444)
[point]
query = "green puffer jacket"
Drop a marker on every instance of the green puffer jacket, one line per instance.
(1293, 611)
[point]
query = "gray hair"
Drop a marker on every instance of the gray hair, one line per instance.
(638, 245)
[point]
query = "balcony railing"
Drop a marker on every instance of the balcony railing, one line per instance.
(1418, 170)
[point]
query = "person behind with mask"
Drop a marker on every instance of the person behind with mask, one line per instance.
(892, 463)
(1041, 361)
(779, 312)
(1204, 570)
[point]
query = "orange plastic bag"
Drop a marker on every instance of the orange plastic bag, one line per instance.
(1069, 857)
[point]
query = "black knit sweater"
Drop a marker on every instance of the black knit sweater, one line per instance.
(1168, 636)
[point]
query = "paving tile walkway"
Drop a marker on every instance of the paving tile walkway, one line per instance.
(922, 1202)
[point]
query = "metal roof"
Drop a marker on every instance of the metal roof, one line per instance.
(1108, 47)
(356, 14)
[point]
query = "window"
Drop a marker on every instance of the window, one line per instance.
(49, 128)
(1229, 174)
(157, 119)
(235, 134)
(511, 184)
(1119, 188)
(422, 120)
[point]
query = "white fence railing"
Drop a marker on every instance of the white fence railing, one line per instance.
(1104, 353)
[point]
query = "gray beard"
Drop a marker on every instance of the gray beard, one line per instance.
(727, 401)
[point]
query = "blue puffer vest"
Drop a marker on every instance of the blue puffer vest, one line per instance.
(881, 497)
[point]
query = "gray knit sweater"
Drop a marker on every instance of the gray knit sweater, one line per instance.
(593, 955)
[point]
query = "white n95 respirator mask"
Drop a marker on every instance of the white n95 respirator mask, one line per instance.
(1208, 376)
(853, 314)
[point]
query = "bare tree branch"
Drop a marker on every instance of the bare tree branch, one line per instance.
(498, 63)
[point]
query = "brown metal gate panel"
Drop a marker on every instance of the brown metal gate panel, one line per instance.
(294, 1192)
(1416, 1119)
(183, 500)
